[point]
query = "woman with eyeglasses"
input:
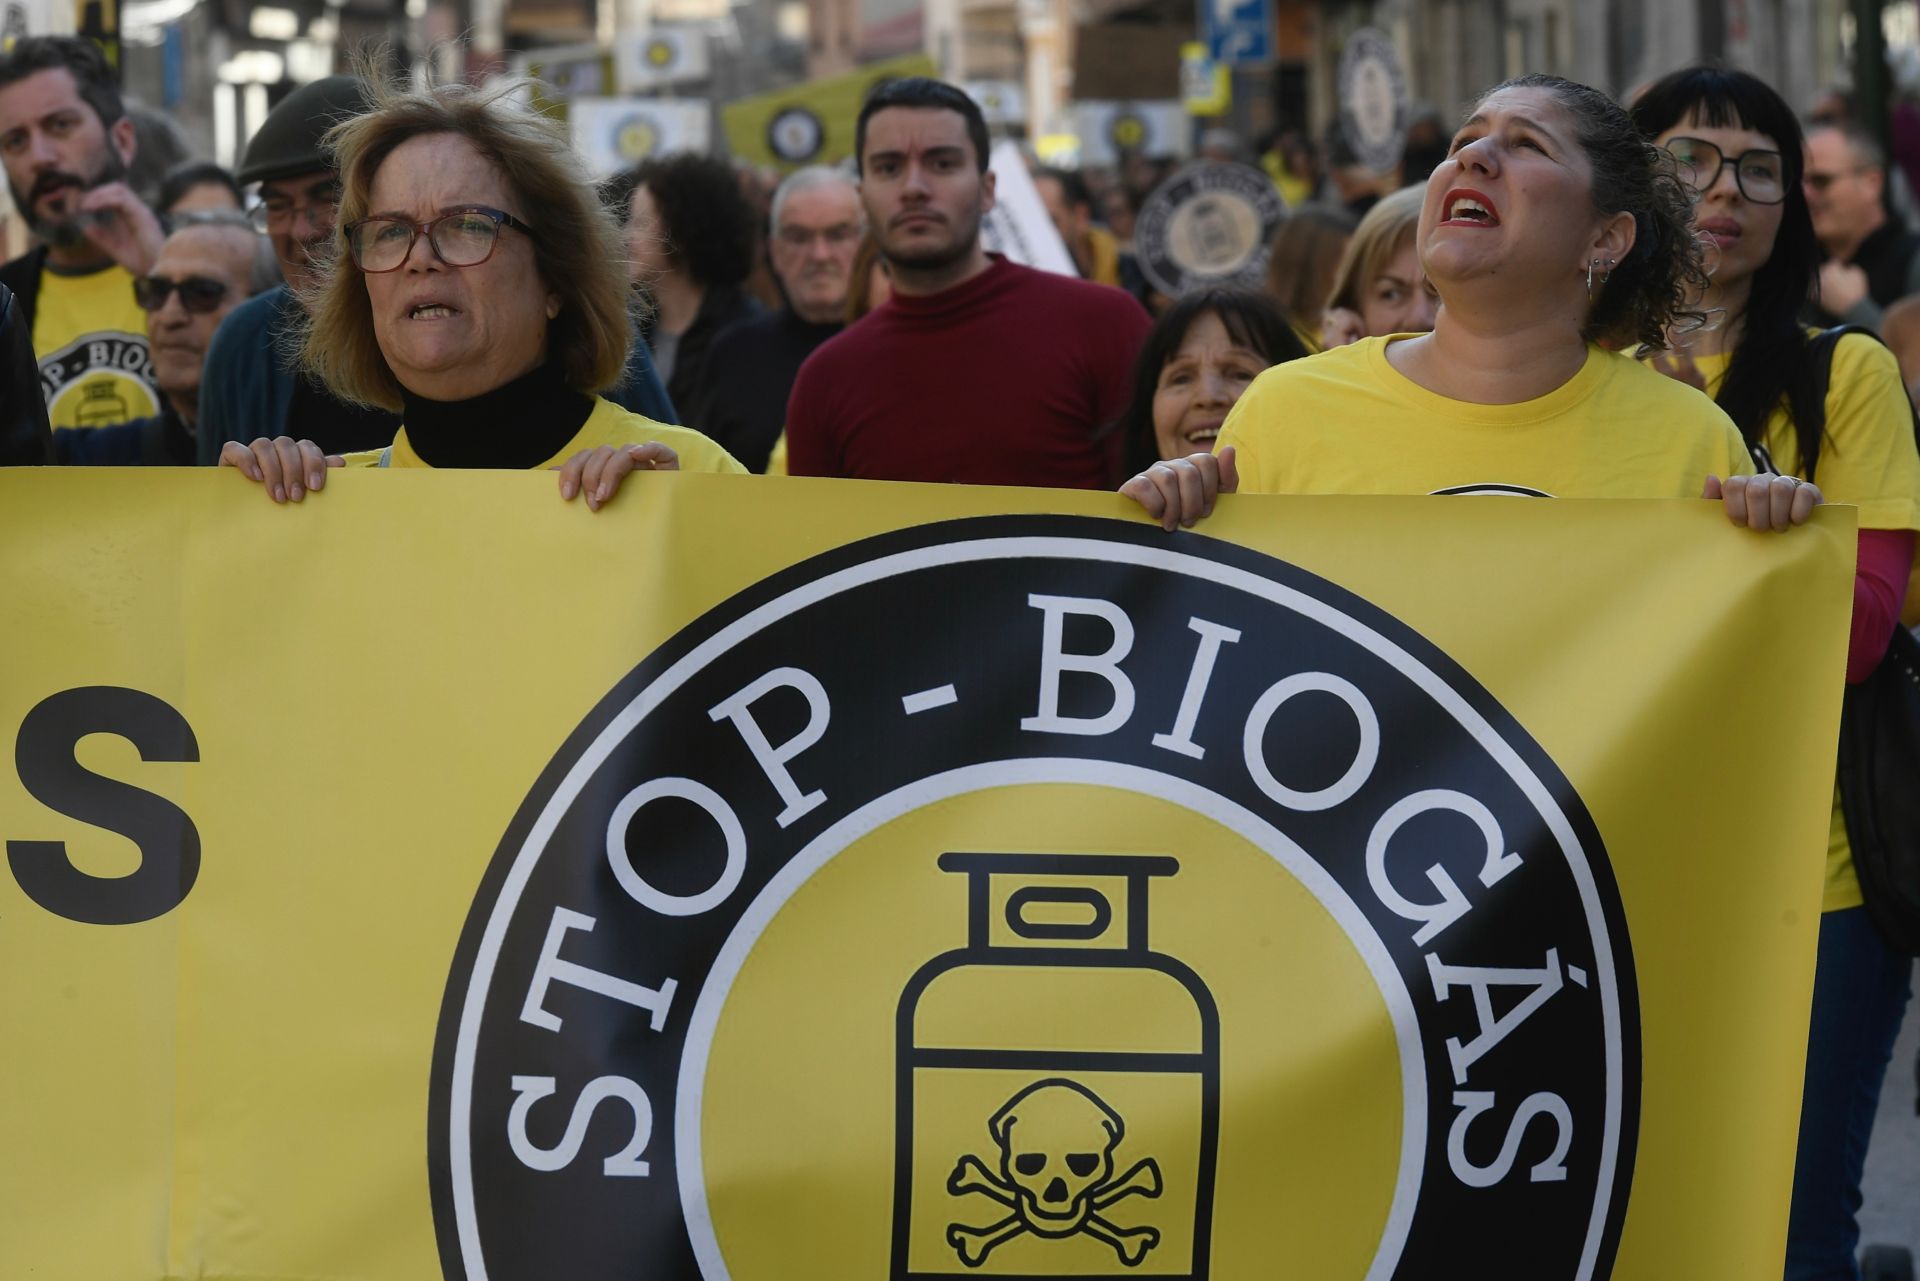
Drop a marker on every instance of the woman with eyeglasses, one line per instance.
(474, 296)
(208, 266)
(1553, 237)
(1739, 148)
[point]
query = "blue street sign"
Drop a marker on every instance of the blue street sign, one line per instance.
(1239, 33)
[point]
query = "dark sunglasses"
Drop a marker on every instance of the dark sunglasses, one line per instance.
(197, 294)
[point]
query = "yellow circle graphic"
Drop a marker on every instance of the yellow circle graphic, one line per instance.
(1128, 131)
(1051, 1106)
(660, 53)
(637, 138)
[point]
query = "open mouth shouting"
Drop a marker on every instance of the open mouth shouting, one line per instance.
(1202, 435)
(431, 311)
(1467, 208)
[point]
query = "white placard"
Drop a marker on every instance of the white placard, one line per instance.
(660, 56)
(618, 133)
(1002, 102)
(1018, 226)
(1107, 129)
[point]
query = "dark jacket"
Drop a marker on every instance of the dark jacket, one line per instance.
(160, 441)
(22, 276)
(247, 385)
(688, 384)
(24, 437)
(1891, 259)
(750, 370)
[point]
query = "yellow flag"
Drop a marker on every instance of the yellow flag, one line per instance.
(790, 880)
(813, 123)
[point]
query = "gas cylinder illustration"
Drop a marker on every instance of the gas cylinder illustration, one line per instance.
(1057, 1083)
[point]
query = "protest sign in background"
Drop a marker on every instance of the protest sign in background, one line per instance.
(818, 879)
(813, 123)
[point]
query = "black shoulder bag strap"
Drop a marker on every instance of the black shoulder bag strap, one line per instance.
(1879, 766)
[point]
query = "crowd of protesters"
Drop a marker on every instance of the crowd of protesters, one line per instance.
(1568, 297)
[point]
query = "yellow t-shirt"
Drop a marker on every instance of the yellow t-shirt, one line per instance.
(1867, 458)
(90, 338)
(1347, 422)
(608, 424)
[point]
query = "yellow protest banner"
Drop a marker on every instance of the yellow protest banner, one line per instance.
(813, 123)
(803, 880)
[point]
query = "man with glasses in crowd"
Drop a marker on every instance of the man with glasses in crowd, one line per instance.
(1871, 259)
(206, 268)
(67, 143)
(251, 386)
(816, 226)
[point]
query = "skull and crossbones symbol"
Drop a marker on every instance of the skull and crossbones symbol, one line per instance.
(1057, 1140)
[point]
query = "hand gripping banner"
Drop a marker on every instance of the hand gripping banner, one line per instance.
(794, 881)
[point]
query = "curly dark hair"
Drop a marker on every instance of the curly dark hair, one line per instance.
(710, 229)
(1654, 287)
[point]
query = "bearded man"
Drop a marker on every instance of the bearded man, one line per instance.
(66, 142)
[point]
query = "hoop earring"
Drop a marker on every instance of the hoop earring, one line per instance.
(1606, 274)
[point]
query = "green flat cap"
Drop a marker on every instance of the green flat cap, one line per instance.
(288, 142)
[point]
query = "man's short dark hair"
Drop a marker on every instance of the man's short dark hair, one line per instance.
(73, 54)
(1073, 188)
(923, 93)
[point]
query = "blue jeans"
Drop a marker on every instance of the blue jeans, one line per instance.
(1860, 992)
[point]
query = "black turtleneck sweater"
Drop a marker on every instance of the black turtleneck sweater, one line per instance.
(515, 426)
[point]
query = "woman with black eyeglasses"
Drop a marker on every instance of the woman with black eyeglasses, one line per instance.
(1738, 145)
(205, 269)
(478, 289)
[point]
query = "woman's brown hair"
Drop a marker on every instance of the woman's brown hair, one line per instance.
(1301, 262)
(578, 248)
(860, 282)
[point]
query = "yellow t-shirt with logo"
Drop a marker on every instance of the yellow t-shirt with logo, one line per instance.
(1868, 459)
(608, 424)
(1346, 421)
(90, 338)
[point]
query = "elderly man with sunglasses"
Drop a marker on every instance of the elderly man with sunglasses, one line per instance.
(206, 268)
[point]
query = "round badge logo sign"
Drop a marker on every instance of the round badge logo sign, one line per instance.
(796, 135)
(1040, 897)
(99, 379)
(1209, 224)
(636, 138)
(1373, 99)
(1128, 130)
(660, 54)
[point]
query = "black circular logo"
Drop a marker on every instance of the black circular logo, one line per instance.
(1209, 224)
(1040, 897)
(796, 135)
(1373, 99)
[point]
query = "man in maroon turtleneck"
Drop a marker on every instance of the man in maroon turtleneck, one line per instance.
(978, 370)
